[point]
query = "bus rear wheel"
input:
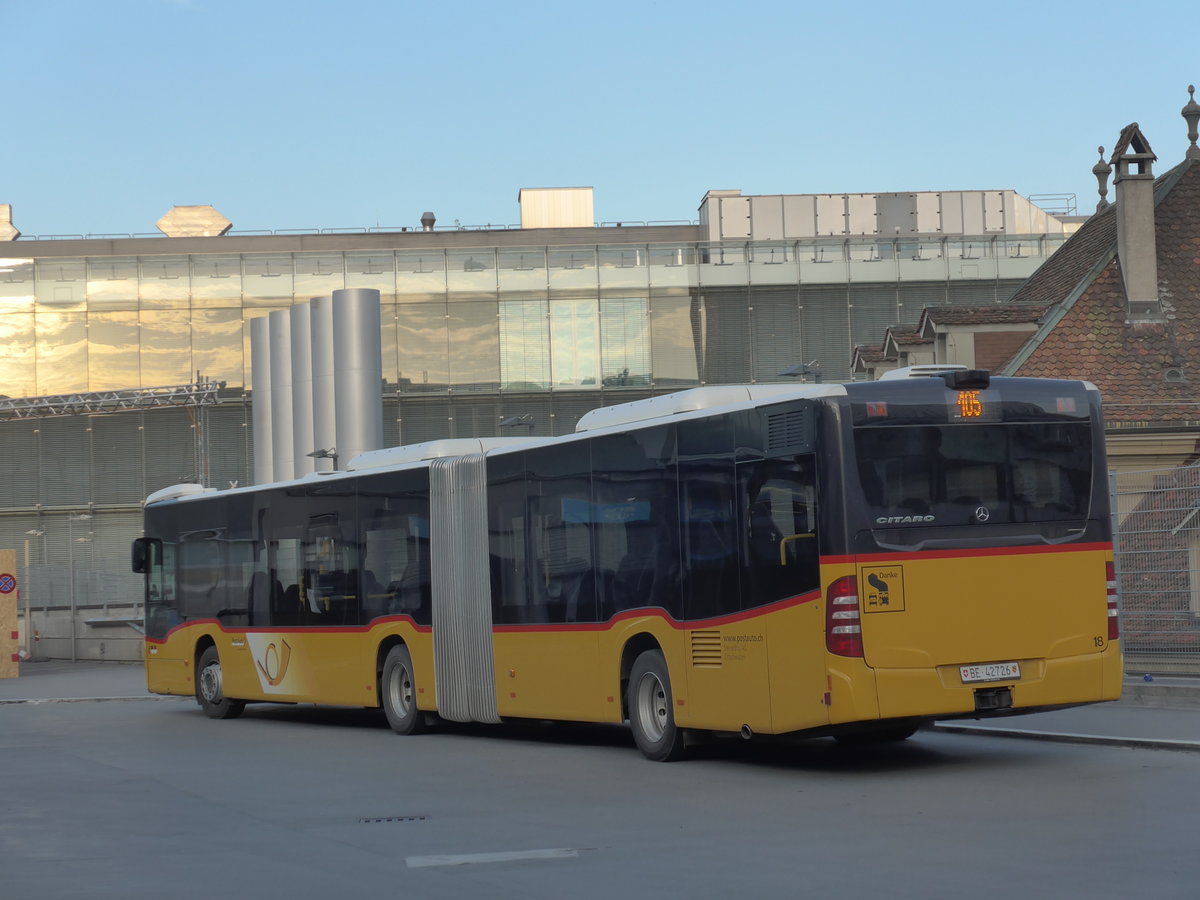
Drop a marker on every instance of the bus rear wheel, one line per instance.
(398, 693)
(651, 712)
(210, 688)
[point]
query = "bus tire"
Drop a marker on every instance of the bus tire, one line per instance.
(651, 710)
(398, 693)
(210, 688)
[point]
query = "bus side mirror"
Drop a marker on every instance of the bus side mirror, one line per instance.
(139, 555)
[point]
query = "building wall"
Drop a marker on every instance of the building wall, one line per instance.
(470, 335)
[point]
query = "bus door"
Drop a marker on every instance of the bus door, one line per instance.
(751, 568)
(782, 578)
(543, 579)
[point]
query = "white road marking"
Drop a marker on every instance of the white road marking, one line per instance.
(471, 859)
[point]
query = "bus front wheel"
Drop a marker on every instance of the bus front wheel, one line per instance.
(651, 714)
(398, 693)
(210, 688)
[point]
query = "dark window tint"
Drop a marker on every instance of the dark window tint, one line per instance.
(563, 584)
(508, 513)
(205, 572)
(962, 474)
(780, 557)
(708, 518)
(636, 513)
(395, 576)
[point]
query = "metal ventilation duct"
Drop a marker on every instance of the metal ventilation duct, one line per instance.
(282, 462)
(260, 393)
(302, 390)
(317, 381)
(358, 371)
(324, 432)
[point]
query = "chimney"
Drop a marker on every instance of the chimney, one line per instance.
(1136, 249)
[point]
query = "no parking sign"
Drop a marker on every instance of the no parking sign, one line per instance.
(8, 614)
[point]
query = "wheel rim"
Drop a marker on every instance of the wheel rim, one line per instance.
(400, 690)
(653, 707)
(210, 683)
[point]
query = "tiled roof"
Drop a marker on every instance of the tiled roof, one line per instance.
(870, 354)
(985, 314)
(1055, 279)
(906, 335)
(1147, 373)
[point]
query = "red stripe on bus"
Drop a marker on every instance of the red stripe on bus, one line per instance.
(324, 629)
(658, 613)
(902, 556)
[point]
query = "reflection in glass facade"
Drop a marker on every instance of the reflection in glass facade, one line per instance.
(471, 335)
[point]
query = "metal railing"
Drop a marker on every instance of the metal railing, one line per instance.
(1157, 526)
(362, 229)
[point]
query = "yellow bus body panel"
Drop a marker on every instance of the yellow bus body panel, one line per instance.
(298, 666)
(925, 616)
(985, 607)
(550, 674)
(727, 671)
(767, 668)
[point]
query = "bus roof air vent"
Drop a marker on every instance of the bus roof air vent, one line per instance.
(920, 371)
(790, 430)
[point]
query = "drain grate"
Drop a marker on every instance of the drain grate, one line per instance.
(376, 820)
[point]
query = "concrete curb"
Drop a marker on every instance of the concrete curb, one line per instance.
(36, 700)
(1159, 695)
(1069, 738)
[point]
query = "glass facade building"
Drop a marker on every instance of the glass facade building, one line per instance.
(477, 326)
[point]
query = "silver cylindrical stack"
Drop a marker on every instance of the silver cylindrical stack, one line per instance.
(323, 396)
(358, 368)
(283, 464)
(260, 392)
(302, 394)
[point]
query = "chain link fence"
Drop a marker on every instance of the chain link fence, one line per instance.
(97, 614)
(1157, 518)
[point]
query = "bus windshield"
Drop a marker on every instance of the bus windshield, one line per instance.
(995, 474)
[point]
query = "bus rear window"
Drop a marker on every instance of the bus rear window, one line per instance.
(975, 474)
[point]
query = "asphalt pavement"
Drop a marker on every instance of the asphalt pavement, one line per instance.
(1163, 713)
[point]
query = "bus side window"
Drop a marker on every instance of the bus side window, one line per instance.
(781, 556)
(162, 613)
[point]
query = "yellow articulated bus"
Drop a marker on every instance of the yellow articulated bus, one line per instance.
(847, 560)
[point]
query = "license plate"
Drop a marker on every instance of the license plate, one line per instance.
(1005, 671)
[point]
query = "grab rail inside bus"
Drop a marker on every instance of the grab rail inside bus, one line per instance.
(787, 540)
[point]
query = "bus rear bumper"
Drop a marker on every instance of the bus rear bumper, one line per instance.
(932, 693)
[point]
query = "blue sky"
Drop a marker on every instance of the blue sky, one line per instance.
(299, 114)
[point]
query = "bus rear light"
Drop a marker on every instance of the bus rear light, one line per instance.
(1114, 621)
(843, 627)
